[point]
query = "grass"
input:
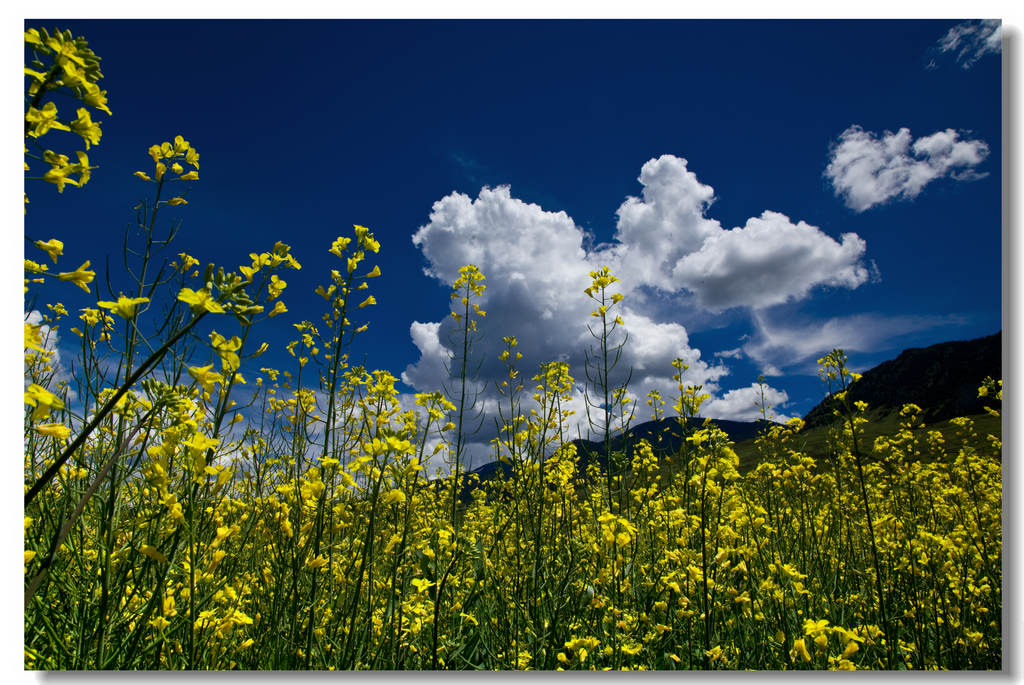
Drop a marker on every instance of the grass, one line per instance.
(816, 441)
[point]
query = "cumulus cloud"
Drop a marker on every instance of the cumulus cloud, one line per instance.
(972, 40)
(777, 346)
(867, 170)
(47, 334)
(537, 264)
(744, 404)
(769, 261)
(666, 241)
(50, 342)
(431, 372)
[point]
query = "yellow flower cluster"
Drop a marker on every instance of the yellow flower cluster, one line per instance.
(184, 518)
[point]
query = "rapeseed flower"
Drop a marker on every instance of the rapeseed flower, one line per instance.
(125, 306)
(52, 247)
(43, 400)
(86, 127)
(54, 430)
(42, 120)
(81, 276)
(200, 301)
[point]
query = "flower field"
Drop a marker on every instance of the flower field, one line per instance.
(187, 507)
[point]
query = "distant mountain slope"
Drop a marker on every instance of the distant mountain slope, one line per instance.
(671, 438)
(942, 379)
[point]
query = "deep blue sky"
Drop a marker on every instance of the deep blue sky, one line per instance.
(307, 127)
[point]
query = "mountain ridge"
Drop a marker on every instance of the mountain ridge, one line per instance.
(942, 379)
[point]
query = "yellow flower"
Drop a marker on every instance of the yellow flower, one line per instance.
(316, 562)
(44, 119)
(339, 245)
(43, 400)
(52, 247)
(200, 301)
(159, 622)
(125, 306)
(368, 301)
(83, 168)
(227, 350)
(374, 273)
(205, 376)
(799, 649)
(94, 97)
(190, 176)
(80, 276)
(58, 174)
(33, 338)
(421, 584)
(54, 430)
(187, 261)
(175, 201)
(279, 308)
(153, 553)
(86, 127)
(394, 497)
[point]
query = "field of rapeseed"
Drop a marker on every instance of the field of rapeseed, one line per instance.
(188, 508)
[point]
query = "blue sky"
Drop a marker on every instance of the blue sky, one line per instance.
(518, 145)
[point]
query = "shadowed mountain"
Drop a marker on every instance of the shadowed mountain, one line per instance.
(942, 379)
(665, 435)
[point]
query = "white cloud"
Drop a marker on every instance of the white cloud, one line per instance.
(972, 40)
(744, 404)
(47, 334)
(50, 341)
(656, 231)
(868, 170)
(769, 261)
(537, 266)
(665, 241)
(778, 346)
(431, 372)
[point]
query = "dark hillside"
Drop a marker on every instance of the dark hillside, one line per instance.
(942, 379)
(664, 435)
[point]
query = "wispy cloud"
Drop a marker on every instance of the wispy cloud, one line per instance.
(972, 40)
(778, 346)
(471, 168)
(868, 170)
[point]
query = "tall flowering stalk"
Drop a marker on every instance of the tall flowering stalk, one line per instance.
(608, 396)
(466, 313)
